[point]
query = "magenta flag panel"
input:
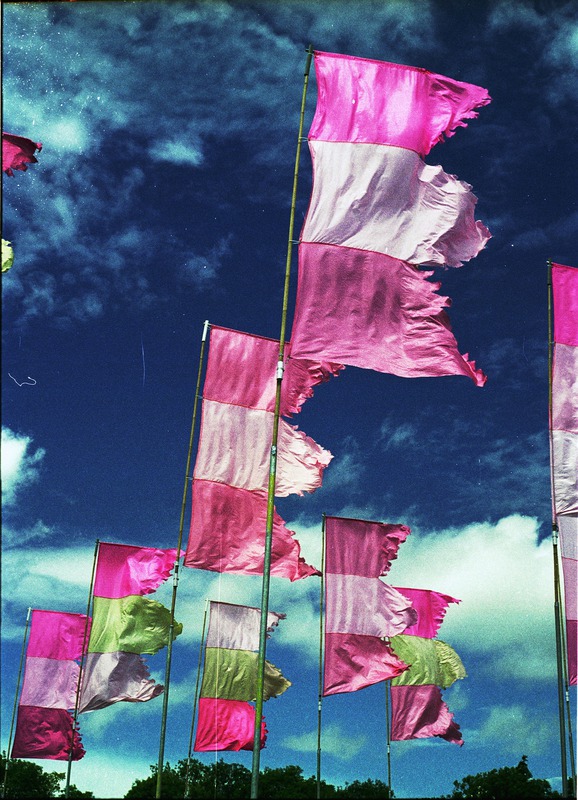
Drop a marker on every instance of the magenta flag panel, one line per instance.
(565, 292)
(241, 369)
(389, 318)
(17, 153)
(431, 609)
(353, 662)
(227, 534)
(386, 199)
(361, 547)
(418, 712)
(362, 100)
(45, 733)
(57, 634)
(125, 570)
(236, 627)
(226, 725)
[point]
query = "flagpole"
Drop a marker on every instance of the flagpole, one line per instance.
(388, 734)
(320, 695)
(273, 459)
(176, 571)
(195, 701)
(15, 706)
(82, 663)
(557, 606)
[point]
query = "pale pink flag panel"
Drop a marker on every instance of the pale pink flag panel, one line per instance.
(565, 388)
(369, 310)
(237, 627)
(431, 608)
(362, 100)
(227, 534)
(418, 712)
(124, 570)
(57, 634)
(49, 682)
(565, 471)
(367, 606)
(387, 199)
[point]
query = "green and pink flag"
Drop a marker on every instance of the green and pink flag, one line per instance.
(564, 443)
(377, 213)
(360, 609)
(126, 625)
(226, 717)
(45, 726)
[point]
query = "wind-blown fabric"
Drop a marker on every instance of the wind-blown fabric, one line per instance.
(418, 710)
(377, 211)
(226, 719)
(230, 480)
(564, 438)
(44, 727)
(360, 610)
(125, 625)
(17, 153)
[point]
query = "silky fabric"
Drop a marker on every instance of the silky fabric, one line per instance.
(565, 296)
(226, 725)
(362, 547)
(568, 530)
(431, 608)
(355, 604)
(126, 570)
(57, 634)
(45, 733)
(50, 683)
(17, 153)
(431, 661)
(353, 662)
(131, 624)
(109, 678)
(232, 674)
(237, 627)
(418, 712)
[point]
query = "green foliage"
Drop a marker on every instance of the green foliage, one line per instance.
(502, 784)
(25, 779)
(365, 790)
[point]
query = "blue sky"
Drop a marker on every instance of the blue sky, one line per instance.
(161, 199)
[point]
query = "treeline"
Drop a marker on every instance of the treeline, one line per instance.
(233, 782)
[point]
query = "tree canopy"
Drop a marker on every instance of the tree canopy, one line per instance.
(26, 779)
(502, 784)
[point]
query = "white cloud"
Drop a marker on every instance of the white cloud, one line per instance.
(517, 728)
(20, 464)
(334, 741)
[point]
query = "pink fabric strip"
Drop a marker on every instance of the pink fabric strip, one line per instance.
(49, 682)
(386, 199)
(227, 534)
(565, 469)
(18, 152)
(418, 712)
(56, 634)
(125, 570)
(368, 310)
(362, 547)
(565, 296)
(353, 662)
(361, 100)
(572, 646)
(108, 678)
(565, 388)
(226, 725)
(431, 609)
(45, 733)
(365, 606)
(237, 627)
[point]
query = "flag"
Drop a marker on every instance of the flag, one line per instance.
(125, 625)
(418, 710)
(226, 718)
(360, 610)
(564, 442)
(378, 212)
(230, 480)
(17, 153)
(7, 255)
(45, 727)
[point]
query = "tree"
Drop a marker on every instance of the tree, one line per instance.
(365, 790)
(502, 784)
(206, 781)
(288, 783)
(26, 779)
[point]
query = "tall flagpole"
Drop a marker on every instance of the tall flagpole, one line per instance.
(388, 733)
(557, 594)
(321, 627)
(176, 572)
(15, 703)
(195, 701)
(273, 461)
(82, 662)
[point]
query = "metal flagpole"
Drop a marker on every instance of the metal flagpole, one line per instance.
(15, 703)
(176, 572)
(195, 701)
(388, 734)
(321, 627)
(557, 606)
(82, 662)
(273, 462)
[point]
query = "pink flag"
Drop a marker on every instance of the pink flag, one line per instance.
(229, 507)
(128, 570)
(568, 530)
(109, 678)
(431, 608)
(58, 635)
(45, 733)
(226, 725)
(17, 153)
(236, 627)
(378, 211)
(360, 609)
(418, 712)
